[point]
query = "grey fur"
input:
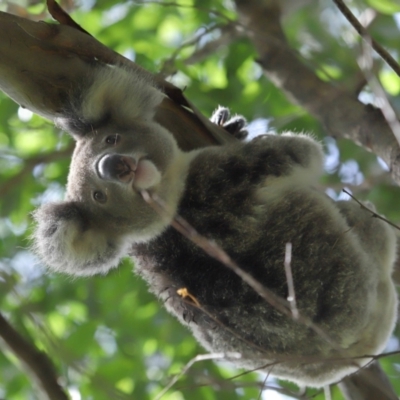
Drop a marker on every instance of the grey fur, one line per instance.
(250, 198)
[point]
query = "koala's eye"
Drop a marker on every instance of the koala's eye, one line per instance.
(113, 139)
(99, 196)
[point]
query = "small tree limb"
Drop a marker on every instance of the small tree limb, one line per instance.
(365, 35)
(28, 166)
(37, 362)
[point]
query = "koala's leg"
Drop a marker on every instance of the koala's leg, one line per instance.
(377, 237)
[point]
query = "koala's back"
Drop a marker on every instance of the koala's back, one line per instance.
(246, 200)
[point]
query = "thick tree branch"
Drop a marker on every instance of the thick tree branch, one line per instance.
(37, 362)
(341, 114)
(64, 56)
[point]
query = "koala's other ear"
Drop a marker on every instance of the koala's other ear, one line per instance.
(67, 240)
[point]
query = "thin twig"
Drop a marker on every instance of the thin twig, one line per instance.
(228, 33)
(174, 4)
(227, 385)
(289, 279)
(30, 163)
(374, 214)
(201, 357)
(168, 66)
(264, 384)
(364, 34)
(327, 392)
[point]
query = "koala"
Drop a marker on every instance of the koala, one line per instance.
(251, 199)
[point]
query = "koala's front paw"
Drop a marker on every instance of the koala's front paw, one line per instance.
(236, 125)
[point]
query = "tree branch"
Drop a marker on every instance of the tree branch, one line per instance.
(341, 114)
(365, 35)
(227, 34)
(29, 164)
(37, 362)
(65, 56)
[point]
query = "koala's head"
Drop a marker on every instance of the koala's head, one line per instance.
(104, 212)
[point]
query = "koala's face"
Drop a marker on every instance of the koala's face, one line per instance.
(104, 212)
(110, 167)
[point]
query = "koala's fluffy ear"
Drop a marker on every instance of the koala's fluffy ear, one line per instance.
(66, 241)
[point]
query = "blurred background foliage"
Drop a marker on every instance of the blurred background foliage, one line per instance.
(109, 338)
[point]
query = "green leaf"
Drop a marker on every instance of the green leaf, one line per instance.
(385, 6)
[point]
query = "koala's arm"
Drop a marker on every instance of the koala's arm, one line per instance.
(67, 241)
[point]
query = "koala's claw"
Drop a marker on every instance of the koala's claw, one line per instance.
(236, 125)
(220, 116)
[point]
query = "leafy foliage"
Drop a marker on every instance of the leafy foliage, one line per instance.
(109, 338)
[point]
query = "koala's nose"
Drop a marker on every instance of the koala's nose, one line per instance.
(116, 167)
